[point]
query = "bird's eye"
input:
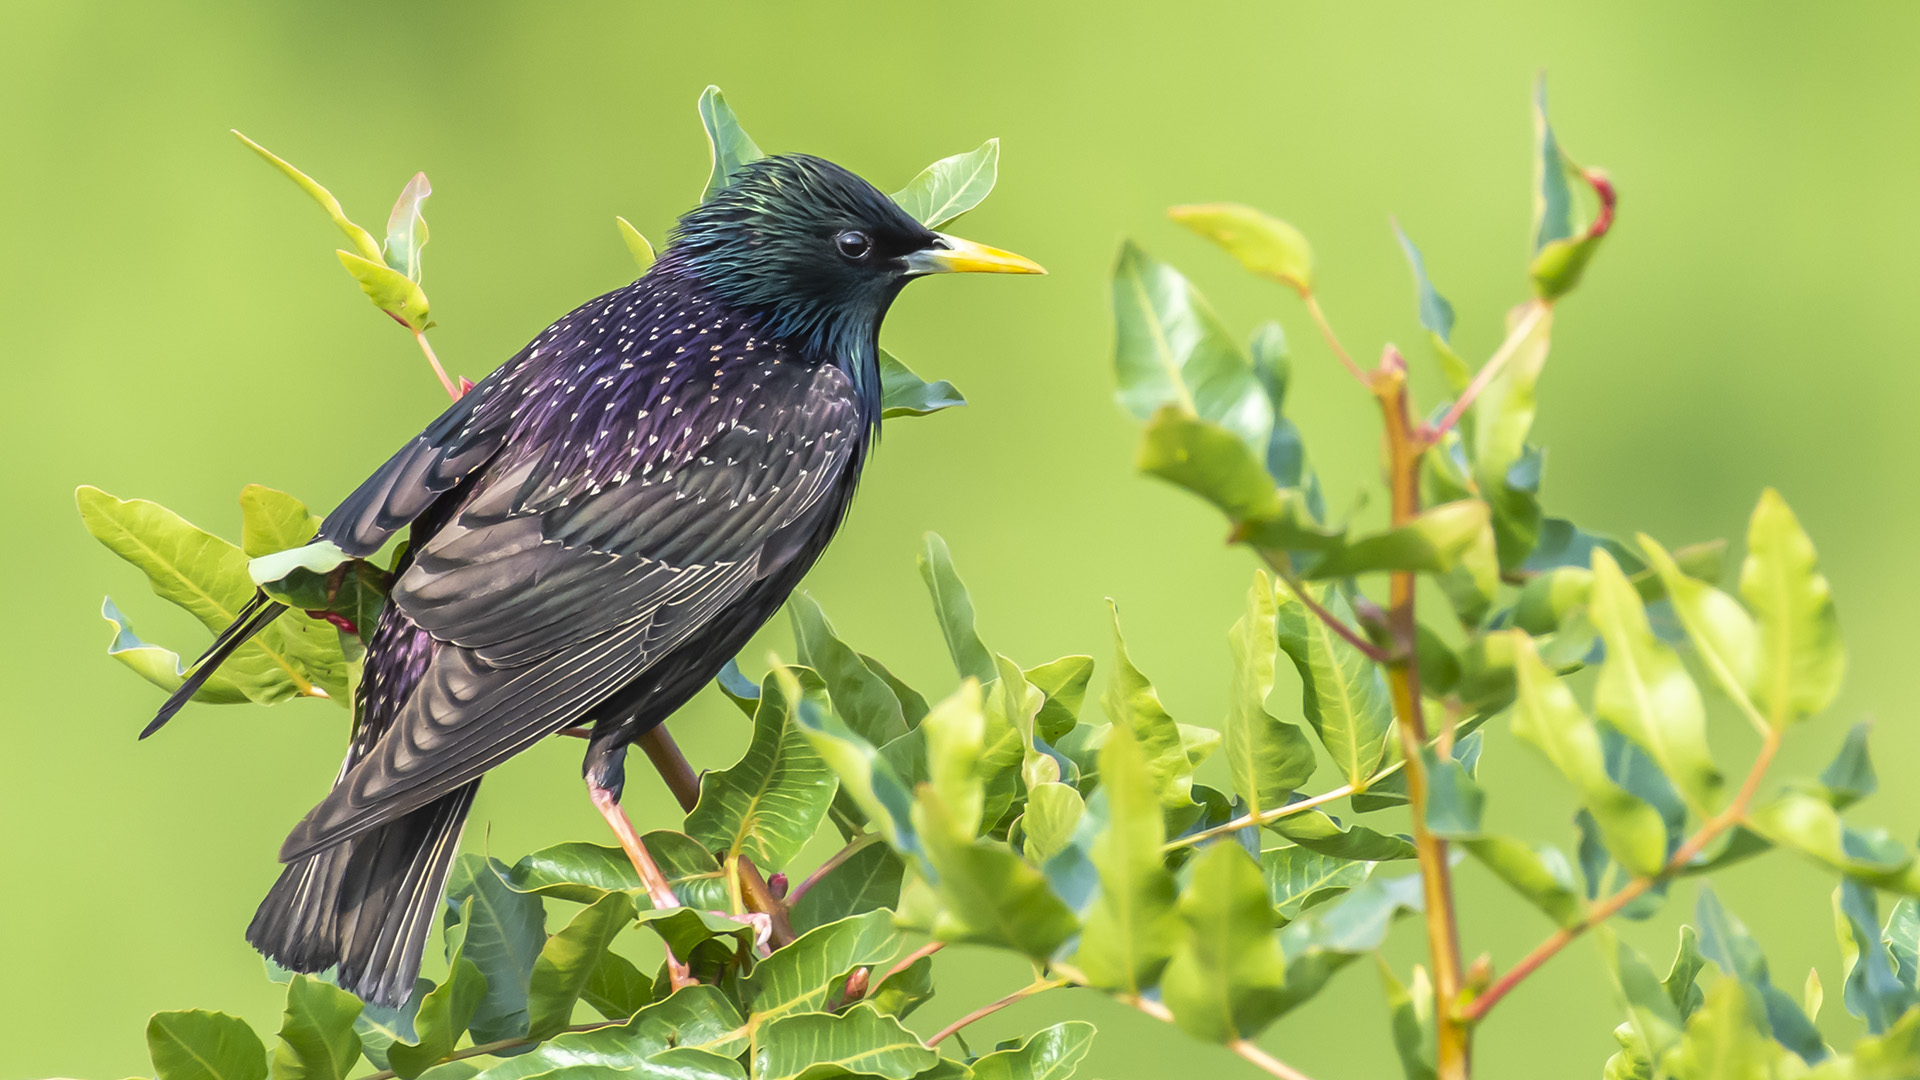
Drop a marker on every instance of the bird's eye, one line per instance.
(853, 244)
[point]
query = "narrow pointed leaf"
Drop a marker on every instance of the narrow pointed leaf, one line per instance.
(637, 245)
(1267, 757)
(953, 608)
(567, 962)
(1411, 1008)
(390, 290)
(1133, 928)
(1725, 941)
(407, 228)
(860, 696)
(159, 666)
(1215, 464)
(1724, 636)
(363, 241)
(1064, 682)
(951, 186)
(1131, 703)
(1343, 694)
(443, 1015)
(730, 145)
(903, 393)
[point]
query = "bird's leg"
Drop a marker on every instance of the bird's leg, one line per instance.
(658, 888)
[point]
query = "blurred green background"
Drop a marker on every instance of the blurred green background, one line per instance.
(176, 327)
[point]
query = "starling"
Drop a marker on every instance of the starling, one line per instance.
(596, 528)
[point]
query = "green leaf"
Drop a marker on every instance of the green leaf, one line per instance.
(1811, 826)
(1547, 716)
(199, 1045)
(698, 1018)
(770, 803)
(442, 1016)
(987, 895)
(1343, 694)
(1892, 1056)
(1064, 682)
(686, 929)
(363, 241)
(1653, 1021)
(1327, 938)
(381, 1026)
(295, 655)
(1286, 456)
(951, 186)
(868, 880)
(1224, 980)
(162, 667)
(1679, 983)
(953, 608)
(1505, 468)
(742, 691)
(869, 779)
(501, 932)
(904, 990)
(1723, 1041)
(316, 558)
(1872, 991)
(1053, 813)
(1443, 537)
(1454, 799)
(273, 521)
(583, 872)
(1267, 757)
(1801, 657)
(390, 290)
(637, 244)
(1319, 832)
(1170, 349)
(317, 1038)
(616, 989)
(730, 145)
(1541, 875)
(1411, 1009)
(1644, 690)
(819, 1045)
(902, 393)
(567, 961)
(1561, 252)
(1725, 941)
(1133, 929)
(1215, 464)
(1902, 938)
(955, 734)
(1299, 878)
(803, 976)
(1133, 705)
(860, 696)
(407, 229)
(1052, 1053)
(1436, 314)
(1849, 777)
(1265, 245)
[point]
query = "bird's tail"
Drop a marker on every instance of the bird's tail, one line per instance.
(252, 619)
(367, 903)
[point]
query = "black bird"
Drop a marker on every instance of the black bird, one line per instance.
(597, 526)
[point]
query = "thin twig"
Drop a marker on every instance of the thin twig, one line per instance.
(1735, 813)
(1536, 311)
(1037, 986)
(913, 958)
(864, 840)
(1261, 818)
(1347, 633)
(1333, 340)
(1260, 1058)
(452, 388)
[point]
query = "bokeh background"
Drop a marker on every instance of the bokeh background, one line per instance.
(175, 327)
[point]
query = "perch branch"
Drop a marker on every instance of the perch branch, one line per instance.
(1035, 987)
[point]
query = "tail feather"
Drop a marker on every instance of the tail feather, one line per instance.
(366, 904)
(252, 619)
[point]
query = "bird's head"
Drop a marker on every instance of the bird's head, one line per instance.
(820, 250)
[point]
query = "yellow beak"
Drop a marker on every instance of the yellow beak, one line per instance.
(956, 256)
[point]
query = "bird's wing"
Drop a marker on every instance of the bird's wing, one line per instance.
(458, 442)
(546, 607)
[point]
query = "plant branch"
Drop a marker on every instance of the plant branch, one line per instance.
(1261, 818)
(1536, 310)
(913, 958)
(1404, 447)
(1333, 340)
(1276, 561)
(1035, 987)
(1262, 1060)
(1600, 912)
(483, 1049)
(856, 844)
(452, 388)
